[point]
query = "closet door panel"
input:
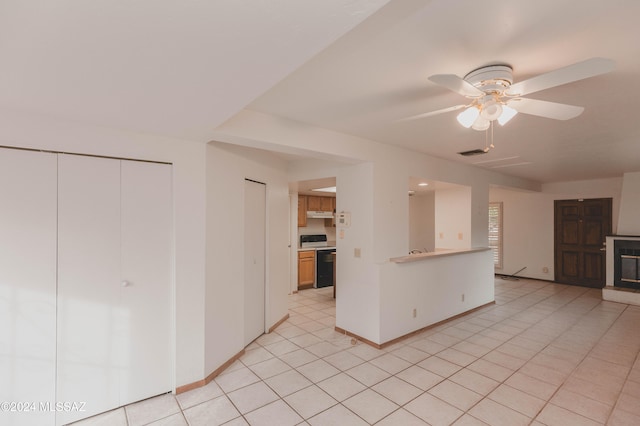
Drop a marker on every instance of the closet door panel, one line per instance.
(27, 283)
(88, 284)
(146, 272)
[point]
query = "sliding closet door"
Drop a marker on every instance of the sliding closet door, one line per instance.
(27, 283)
(146, 273)
(89, 311)
(114, 283)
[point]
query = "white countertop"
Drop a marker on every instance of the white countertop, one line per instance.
(316, 248)
(437, 253)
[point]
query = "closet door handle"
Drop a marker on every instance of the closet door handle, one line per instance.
(125, 283)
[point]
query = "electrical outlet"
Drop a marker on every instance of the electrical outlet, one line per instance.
(441, 235)
(415, 312)
(462, 298)
(460, 236)
(356, 252)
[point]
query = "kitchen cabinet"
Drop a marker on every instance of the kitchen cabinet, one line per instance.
(302, 210)
(331, 222)
(320, 204)
(306, 268)
(316, 204)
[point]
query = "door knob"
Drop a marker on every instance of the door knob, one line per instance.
(125, 283)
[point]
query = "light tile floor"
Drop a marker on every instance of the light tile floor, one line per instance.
(544, 354)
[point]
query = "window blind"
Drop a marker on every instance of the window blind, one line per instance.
(495, 232)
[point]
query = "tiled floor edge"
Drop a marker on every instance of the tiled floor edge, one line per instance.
(277, 324)
(210, 377)
(355, 336)
(412, 333)
(629, 297)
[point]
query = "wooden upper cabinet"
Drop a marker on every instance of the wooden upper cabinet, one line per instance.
(302, 210)
(320, 204)
(326, 204)
(313, 203)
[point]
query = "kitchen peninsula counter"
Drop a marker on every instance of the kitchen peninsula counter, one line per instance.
(436, 254)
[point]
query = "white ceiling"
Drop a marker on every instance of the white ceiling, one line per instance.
(166, 67)
(180, 69)
(306, 187)
(377, 74)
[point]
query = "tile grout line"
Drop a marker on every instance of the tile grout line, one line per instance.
(539, 351)
(566, 297)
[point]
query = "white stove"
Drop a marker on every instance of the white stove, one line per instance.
(313, 241)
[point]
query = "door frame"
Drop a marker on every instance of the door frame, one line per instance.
(265, 266)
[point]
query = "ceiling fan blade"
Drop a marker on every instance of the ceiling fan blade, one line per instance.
(429, 114)
(545, 109)
(458, 85)
(578, 71)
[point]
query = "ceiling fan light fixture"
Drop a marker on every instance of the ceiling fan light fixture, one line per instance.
(467, 117)
(491, 110)
(481, 123)
(507, 114)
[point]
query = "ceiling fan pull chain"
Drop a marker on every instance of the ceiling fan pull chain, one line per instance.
(491, 146)
(487, 145)
(486, 140)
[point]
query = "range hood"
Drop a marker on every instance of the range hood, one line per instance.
(319, 215)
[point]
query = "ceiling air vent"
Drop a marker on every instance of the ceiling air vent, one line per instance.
(473, 152)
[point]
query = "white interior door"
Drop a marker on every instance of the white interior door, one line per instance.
(114, 283)
(89, 308)
(27, 283)
(254, 259)
(146, 274)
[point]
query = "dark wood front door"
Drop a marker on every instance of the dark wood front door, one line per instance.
(580, 230)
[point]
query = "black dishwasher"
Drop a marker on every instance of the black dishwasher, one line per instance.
(324, 267)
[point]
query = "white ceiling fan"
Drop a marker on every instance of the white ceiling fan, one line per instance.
(494, 96)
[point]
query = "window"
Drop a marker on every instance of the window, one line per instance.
(495, 233)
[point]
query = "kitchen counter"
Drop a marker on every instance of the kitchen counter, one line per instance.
(318, 248)
(438, 253)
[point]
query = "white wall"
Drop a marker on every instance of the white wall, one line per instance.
(375, 192)
(357, 291)
(434, 287)
(453, 218)
(422, 221)
(227, 168)
(188, 158)
(317, 226)
(528, 227)
(630, 205)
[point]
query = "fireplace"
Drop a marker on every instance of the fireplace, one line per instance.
(622, 273)
(626, 264)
